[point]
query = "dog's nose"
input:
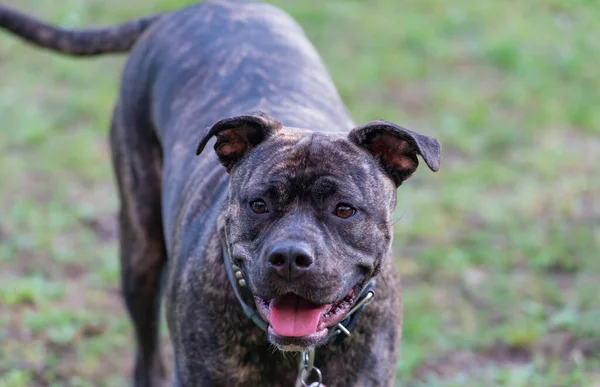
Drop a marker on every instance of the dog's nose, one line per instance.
(290, 260)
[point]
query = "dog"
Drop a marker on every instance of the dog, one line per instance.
(268, 248)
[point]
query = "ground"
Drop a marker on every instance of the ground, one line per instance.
(499, 251)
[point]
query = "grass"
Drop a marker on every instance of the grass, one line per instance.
(498, 251)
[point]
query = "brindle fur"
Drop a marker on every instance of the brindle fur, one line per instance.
(187, 70)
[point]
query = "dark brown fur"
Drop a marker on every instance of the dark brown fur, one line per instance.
(187, 71)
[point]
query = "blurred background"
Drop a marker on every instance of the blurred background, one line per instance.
(499, 251)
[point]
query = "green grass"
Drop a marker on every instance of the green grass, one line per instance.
(499, 251)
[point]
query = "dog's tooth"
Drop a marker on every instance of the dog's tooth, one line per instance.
(239, 275)
(242, 282)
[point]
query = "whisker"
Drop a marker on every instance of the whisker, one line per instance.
(397, 220)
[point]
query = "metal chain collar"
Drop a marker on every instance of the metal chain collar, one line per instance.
(308, 370)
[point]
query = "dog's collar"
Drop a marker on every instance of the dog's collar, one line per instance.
(241, 289)
(339, 332)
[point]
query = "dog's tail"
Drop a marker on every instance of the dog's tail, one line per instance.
(86, 42)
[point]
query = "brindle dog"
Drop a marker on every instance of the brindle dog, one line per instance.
(303, 205)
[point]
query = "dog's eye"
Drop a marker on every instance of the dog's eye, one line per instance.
(258, 206)
(344, 211)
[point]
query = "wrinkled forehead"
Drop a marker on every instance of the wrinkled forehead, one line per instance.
(306, 158)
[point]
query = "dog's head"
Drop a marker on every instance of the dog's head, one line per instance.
(308, 216)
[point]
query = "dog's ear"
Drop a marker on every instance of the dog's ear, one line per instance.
(236, 136)
(396, 148)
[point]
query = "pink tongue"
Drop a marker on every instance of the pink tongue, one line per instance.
(293, 316)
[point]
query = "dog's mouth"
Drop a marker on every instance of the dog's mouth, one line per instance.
(295, 322)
